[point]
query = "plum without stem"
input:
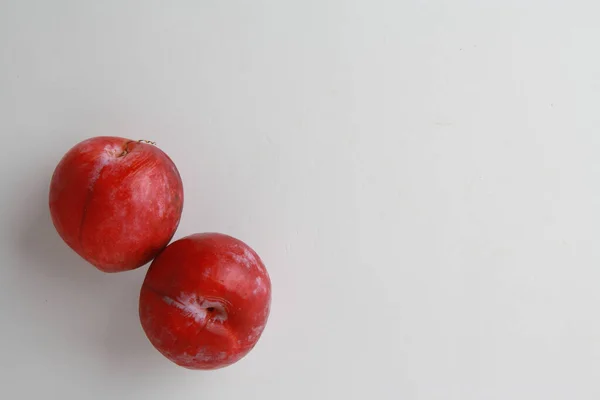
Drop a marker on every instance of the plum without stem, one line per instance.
(205, 301)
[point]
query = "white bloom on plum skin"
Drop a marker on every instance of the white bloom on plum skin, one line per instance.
(260, 287)
(197, 307)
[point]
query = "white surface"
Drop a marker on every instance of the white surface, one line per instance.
(421, 178)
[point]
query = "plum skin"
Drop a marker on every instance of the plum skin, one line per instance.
(116, 202)
(205, 301)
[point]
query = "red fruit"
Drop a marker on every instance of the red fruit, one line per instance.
(116, 202)
(205, 301)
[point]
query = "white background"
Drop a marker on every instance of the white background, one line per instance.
(422, 179)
